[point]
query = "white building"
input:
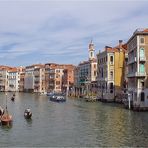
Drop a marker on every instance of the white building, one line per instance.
(4, 78)
(13, 80)
(137, 47)
(29, 79)
(39, 79)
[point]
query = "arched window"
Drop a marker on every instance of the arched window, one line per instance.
(90, 54)
(142, 96)
(141, 52)
(142, 40)
(111, 75)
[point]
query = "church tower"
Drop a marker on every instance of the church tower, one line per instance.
(91, 51)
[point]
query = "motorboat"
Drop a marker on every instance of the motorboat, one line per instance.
(27, 113)
(57, 97)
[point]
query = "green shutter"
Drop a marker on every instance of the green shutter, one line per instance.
(142, 68)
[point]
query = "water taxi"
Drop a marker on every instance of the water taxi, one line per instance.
(57, 97)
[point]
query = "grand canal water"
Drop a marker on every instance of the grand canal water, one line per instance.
(74, 123)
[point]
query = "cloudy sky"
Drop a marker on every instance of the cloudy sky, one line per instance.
(42, 31)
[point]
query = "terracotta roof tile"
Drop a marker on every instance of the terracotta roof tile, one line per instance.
(13, 70)
(145, 30)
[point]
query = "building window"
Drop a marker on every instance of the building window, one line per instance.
(102, 72)
(111, 91)
(141, 52)
(111, 85)
(132, 67)
(91, 54)
(111, 59)
(111, 75)
(57, 82)
(142, 40)
(142, 68)
(94, 65)
(142, 84)
(95, 73)
(135, 96)
(142, 96)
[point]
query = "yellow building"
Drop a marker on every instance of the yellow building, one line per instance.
(111, 69)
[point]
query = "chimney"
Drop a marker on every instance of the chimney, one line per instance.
(120, 44)
(106, 47)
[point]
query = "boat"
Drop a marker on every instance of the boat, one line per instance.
(49, 93)
(27, 113)
(90, 99)
(43, 93)
(1, 111)
(57, 97)
(13, 97)
(6, 118)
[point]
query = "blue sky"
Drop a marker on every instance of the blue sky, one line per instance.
(42, 31)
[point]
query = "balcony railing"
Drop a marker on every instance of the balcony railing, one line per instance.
(142, 59)
(137, 74)
(132, 60)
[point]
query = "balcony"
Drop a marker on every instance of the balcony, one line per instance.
(140, 74)
(142, 59)
(132, 60)
(136, 74)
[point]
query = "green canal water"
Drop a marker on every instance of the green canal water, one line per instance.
(74, 123)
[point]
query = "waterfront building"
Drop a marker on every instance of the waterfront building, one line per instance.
(49, 77)
(68, 80)
(39, 79)
(137, 47)
(85, 73)
(29, 79)
(56, 77)
(4, 73)
(53, 76)
(13, 79)
(77, 90)
(16, 79)
(22, 76)
(111, 76)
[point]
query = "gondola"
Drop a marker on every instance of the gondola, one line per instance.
(6, 118)
(12, 98)
(28, 114)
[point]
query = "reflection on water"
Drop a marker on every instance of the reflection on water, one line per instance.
(29, 122)
(73, 123)
(6, 128)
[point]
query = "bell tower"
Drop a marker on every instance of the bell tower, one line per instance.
(91, 51)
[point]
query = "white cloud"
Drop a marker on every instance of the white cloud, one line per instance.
(47, 28)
